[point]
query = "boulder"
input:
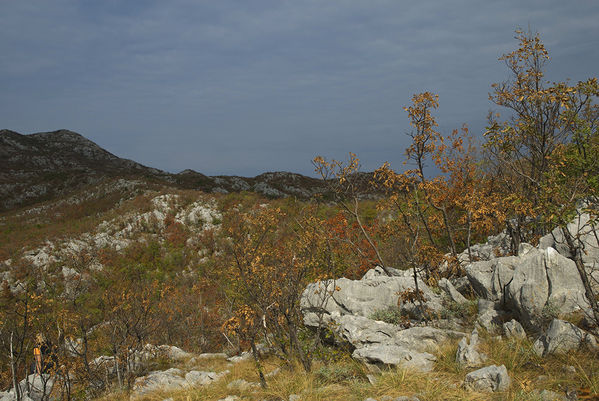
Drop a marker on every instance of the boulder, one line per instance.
(208, 355)
(496, 245)
(378, 271)
(139, 359)
(582, 227)
(562, 337)
(544, 279)
(424, 338)
(489, 315)
(528, 284)
(196, 378)
(244, 356)
(488, 278)
(242, 385)
(167, 380)
(33, 388)
(547, 395)
(173, 353)
(467, 354)
(359, 330)
(451, 291)
(347, 306)
(488, 379)
(171, 380)
(393, 355)
(513, 329)
(362, 297)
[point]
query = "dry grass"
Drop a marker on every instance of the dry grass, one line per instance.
(346, 380)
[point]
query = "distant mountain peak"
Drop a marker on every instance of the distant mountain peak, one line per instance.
(49, 165)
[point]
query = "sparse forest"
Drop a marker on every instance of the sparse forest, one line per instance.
(97, 281)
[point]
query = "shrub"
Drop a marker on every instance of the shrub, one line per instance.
(391, 314)
(465, 311)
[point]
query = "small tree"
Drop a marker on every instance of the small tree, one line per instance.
(270, 257)
(542, 116)
(570, 197)
(344, 182)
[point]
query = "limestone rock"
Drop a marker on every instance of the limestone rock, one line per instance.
(244, 356)
(171, 380)
(451, 291)
(34, 388)
(362, 297)
(467, 354)
(489, 278)
(395, 356)
(561, 337)
(359, 330)
(208, 355)
(424, 338)
(167, 380)
(488, 379)
(528, 283)
(196, 378)
(489, 317)
(496, 245)
(547, 395)
(581, 227)
(544, 278)
(513, 329)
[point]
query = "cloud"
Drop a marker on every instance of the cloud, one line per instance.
(238, 87)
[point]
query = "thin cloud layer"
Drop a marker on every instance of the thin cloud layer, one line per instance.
(234, 87)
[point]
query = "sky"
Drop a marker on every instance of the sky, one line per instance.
(244, 87)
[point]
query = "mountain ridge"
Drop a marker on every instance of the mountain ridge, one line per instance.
(44, 166)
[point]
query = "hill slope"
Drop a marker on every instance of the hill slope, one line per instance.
(49, 165)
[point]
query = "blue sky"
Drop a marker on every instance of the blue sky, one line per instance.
(244, 87)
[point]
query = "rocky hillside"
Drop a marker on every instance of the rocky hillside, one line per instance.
(50, 165)
(502, 329)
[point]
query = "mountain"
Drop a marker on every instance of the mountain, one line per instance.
(49, 165)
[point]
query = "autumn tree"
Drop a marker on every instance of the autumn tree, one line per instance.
(344, 181)
(569, 199)
(270, 257)
(434, 210)
(129, 294)
(541, 116)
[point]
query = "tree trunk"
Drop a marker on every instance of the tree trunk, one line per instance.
(576, 251)
(304, 359)
(258, 363)
(12, 369)
(468, 238)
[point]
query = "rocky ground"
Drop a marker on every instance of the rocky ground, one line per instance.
(502, 341)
